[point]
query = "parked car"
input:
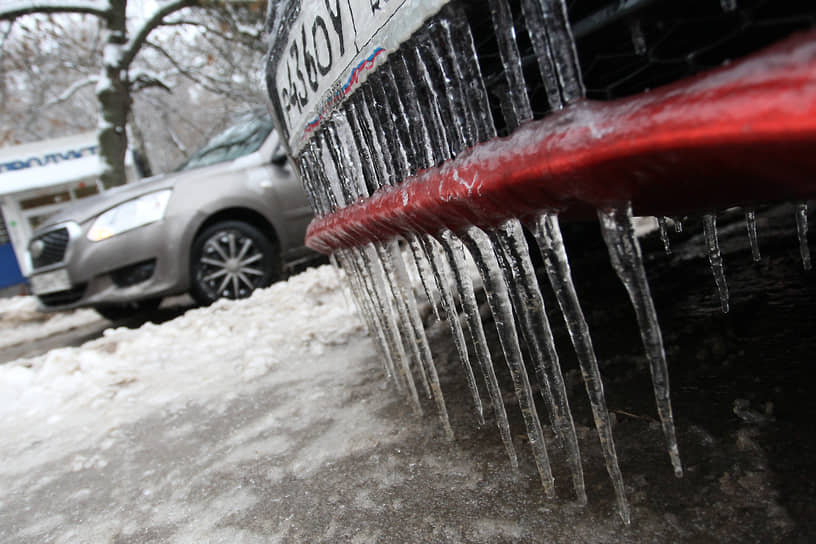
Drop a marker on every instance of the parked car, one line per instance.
(225, 223)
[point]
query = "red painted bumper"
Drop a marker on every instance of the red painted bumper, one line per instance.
(742, 133)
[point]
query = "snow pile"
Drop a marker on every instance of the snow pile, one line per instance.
(21, 321)
(201, 354)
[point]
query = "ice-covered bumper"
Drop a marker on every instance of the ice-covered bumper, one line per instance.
(740, 134)
(138, 264)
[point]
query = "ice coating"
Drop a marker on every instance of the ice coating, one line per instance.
(715, 258)
(551, 244)
(626, 258)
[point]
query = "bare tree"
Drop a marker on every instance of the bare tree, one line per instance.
(114, 83)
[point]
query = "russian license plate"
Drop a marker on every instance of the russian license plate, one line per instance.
(330, 46)
(49, 282)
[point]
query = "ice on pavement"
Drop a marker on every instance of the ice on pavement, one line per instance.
(20, 321)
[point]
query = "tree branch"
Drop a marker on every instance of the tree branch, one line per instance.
(72, 90)
(140, 36)
(16, 8)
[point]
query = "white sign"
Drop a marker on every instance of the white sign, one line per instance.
(329, 49)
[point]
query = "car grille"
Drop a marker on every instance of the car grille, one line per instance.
(60, 298)
(55, 243)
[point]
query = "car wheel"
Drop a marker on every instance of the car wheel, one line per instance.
(128, 310)
(230, 260)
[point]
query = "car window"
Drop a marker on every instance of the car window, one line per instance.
(237, 141)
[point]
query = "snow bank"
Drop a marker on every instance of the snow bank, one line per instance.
(128, 372)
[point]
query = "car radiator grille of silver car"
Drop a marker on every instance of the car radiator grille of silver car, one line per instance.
(52, 247)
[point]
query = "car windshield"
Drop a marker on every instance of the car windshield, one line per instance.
(237, 141)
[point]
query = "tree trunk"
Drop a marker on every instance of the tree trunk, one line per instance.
(114, 100)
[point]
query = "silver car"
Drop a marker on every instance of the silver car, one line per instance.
(228, 221)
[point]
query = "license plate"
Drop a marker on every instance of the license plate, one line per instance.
(49, 282)
(330, 47)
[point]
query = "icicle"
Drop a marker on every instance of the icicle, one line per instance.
(715, 258)
(374, 317)
(548, 235)
(454, 252)
(430, 101)
(505, 34)
(398, 295)
(554, 46)
(456, 330)
(638, 39)
(750, 224)
(396, 265)
(372, 269)
(678, 225)
(529, 305)
(624, 253)
(467, 60)
(499, 300)
(801, 232)
(664, 235)
(424, 275)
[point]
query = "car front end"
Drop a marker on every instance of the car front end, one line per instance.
(116, 255)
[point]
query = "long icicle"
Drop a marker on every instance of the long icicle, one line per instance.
(499, 300)
(371, 265)
(454, 252)
(379, 253)
(750, 224)
(371, 316)
(715, 258)
(509, 239)
(551, 244)
(624, 253)
(801, 232)
(463, 355)
(415, 321)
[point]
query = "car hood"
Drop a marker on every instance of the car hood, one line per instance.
(88, 208)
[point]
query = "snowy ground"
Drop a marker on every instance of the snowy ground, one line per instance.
(20, 321)
(270, 420)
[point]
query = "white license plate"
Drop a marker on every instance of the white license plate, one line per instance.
(330, 47)
(49, 282)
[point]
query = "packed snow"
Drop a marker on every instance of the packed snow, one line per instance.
(129, 373)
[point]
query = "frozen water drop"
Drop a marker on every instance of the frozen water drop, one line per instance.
(715, 258)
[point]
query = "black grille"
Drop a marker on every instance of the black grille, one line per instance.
(55, 242)
(632, 46)
(61, 298)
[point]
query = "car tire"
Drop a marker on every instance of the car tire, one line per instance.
(231, 259)
(129, 310)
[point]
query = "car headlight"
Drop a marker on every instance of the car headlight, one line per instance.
(130, 215)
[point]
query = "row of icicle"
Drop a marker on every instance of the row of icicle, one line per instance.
(425, 105)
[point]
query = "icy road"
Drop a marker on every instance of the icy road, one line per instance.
(270, 420)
